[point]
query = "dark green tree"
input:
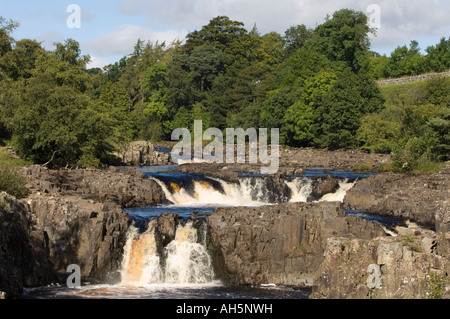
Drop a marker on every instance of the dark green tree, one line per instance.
(338, 117)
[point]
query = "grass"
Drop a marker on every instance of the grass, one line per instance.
(427, 167)
(8, 159)
(11, 180)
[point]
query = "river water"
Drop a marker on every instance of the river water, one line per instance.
(184, 270)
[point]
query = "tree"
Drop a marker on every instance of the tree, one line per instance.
(439, 56)
(221, 32)
(295, 38)
(20, 62)
(338, 117)
(345, 38)
(205, 64)
(6, 28)
(155, 81)
(299, 118)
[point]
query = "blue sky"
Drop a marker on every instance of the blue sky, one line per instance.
(109, 29)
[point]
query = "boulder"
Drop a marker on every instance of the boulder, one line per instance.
(142, 153)
(323, 186)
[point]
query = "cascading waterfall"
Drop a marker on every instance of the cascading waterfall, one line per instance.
(186, 260)
(141, 262)
(339, 195)
(300, 188)
(250, 191)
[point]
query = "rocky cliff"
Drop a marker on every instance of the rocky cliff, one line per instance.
(71, 217)
(281, 244)
(412, 266)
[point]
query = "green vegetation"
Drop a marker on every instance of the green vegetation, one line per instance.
(414, 126)
(12, 182)
(436, 285)
(316, 85)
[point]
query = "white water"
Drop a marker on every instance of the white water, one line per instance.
(187, 262)
(206, 195)
(249, 192)
(300, 189)
(339, 195)
(141, 262)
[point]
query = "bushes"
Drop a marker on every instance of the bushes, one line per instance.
(12, 182)
(413, 127)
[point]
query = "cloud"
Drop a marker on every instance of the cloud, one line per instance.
(122, 40)
(97, 62)
(48, 38)
(402, 20)
(132, 7)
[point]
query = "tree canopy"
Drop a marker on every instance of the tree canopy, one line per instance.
(317, 85)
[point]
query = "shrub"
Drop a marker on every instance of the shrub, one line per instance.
(436, 285)
(12, 182)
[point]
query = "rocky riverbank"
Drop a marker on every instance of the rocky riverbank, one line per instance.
(77, 217)
(71, 217)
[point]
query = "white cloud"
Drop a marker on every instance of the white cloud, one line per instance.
(122, 40)
(402, 20)
(97, 62)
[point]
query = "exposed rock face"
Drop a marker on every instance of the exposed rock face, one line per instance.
(421, 198)
(82, 232)
(41, 237)
(20, 264)
(167, 225)
(281, 244)
(71, 217)
(406, 263)
(128, 188)
(142, 153)
(323, 186)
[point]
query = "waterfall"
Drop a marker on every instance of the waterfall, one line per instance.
(248, 191)
(339, 195)
(187, 260)
(300, 188)
(184, 260)
(141, 262)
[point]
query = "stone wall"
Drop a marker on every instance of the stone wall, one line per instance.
(411, 79)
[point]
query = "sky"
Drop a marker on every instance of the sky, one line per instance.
(108, 30)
